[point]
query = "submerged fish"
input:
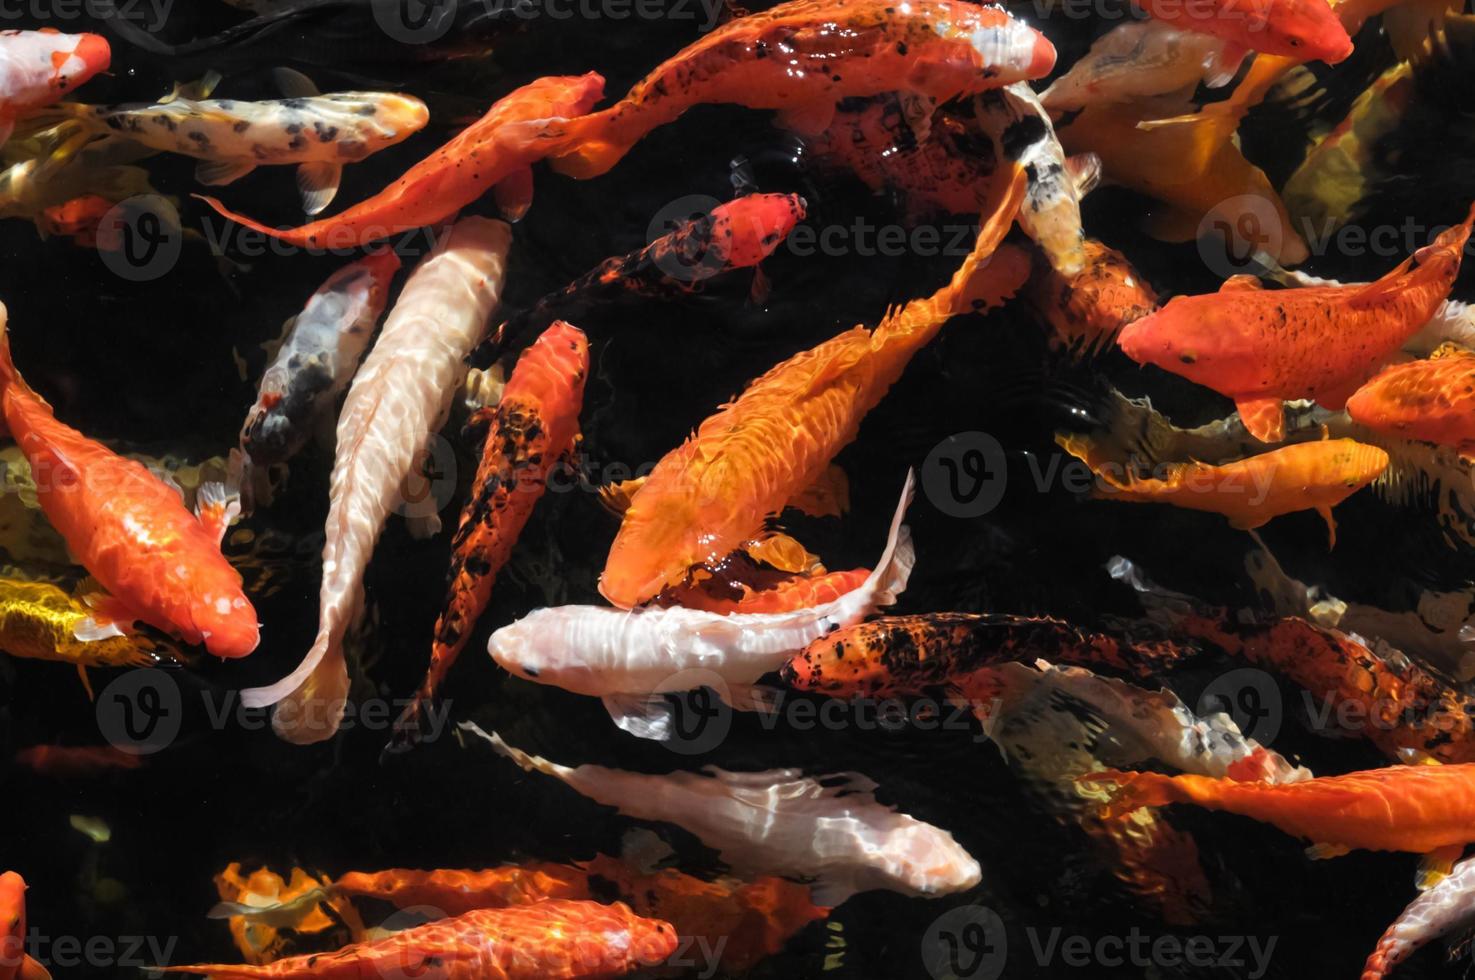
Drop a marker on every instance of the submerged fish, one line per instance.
(630, 658)
(159, 563)
(1432, 400)
(1138, 59)
(66, 761)
(1260, 346)
(533, 426)
(40, 621)
(1087, 310)
(482, 157)
(1305, 29)
(313, 365)
(396, 402)
(553, 940)
(715, 490)
(263, 936)
(782, 823)
(230, 138)
(802, 57)
(39, 67)
(15, 963)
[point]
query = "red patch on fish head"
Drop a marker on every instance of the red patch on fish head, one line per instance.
(1306, 29)
(93, 51)
(749, 229)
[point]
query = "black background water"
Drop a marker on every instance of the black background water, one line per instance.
(150, 364)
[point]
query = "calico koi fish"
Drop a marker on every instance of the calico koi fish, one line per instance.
(394, 405)
(714, 490)
(1087, 310)
(315, 362)
(317, 133)
(1446, 908)
(483, 157)
(1250, 492)
(802, 57)
(158, 562)
(1432, 400)
(1260, 346)
(907, 655)
(736, 235)
(1305, 29)
(1138, 59)
(553, 940)
(39, 67)
(781, 823)
(790, 591)
(533, 426)
(629, 658)
(15, 964)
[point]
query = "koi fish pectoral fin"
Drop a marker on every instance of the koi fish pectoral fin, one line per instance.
(1436, 866)
(642, 715)
(1331, 526)
(216, 508)
(1224, 64)
(110, 617)
(1263, 418)
(514, 194)
(218, 173)
(318, 185)
(616, 497)
(30, 969)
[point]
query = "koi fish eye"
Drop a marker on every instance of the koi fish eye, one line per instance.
(1294, 41)
(1187, 357)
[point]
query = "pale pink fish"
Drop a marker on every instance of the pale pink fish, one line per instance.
(1447, 907)
(39, 67)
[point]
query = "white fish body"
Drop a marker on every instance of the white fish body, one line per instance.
(630, 657)
(1137, 60)
(396, 402)
(781, 822)
(38, 67)
(1447, 907)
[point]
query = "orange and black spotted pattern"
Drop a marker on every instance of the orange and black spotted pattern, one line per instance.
(534, 424)
(906, 655)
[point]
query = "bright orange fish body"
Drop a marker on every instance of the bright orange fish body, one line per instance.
(1401, 808)
(553, 940)
(1304, 29)
(14, 963)
(1432, 400)
(804, 56)
(130, 530)
(530, 429)
(714, 491)
(1261, 346)
(484, 155)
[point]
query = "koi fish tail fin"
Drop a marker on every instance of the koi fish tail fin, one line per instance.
(295, 235)
(281, 915)
(990, 275)
(889, 579)
(310, 701)
(527, 762)
(1165, 608)
(414, 723)
(1136, 790)
(587, 146)
(1391, 950)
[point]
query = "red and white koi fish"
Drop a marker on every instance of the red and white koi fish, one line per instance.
(158, 562)
(39, 67)
(781, 822)
(396, 402)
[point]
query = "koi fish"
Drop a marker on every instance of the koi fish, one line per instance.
(482, 157)
(1260, 346)
(15, 964)
(907, 655)
(394, 405)
(736, 235)
(259, 930)
(781, 823)
(790, 591)
(1305, 29)
(714, 490)
(629, 658)
(39, 67)
(802, 57)
(1432, 400)
(158, 562)
(1138, 59)
(1422, 809)
(553, 940)
(313, 365)
(1087, 310)
(532, 427)
(1443, 909)
(80, 219)
(66, 761)
(1250, 492)
(317, 133)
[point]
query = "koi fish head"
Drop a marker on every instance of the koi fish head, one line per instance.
(750, 228)
(652, 551)
(12, 921)
(42, 66)
(226, 622)
(1201, 338)
(381, 117)
(1303, 29)
(924, 860)
(1008, 50)
(840, 665)
(531, 649)
(1341, 467)
(558, 96)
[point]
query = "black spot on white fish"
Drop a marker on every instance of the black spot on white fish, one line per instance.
(242, 126)
(325, 134)
(1020, 136)
(294, 103)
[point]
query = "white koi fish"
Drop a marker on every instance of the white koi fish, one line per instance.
(781, 822)
(1445, 908)
(39, 67)
(629, 658)
(323, 346)
(319, 133)
(399, 398)
(1138, 60)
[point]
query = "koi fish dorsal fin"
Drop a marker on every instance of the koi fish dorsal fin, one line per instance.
(317, 183)
(1264, 418)
(1436, 866)
(216, 508)
(293, 84)
(1241, 284)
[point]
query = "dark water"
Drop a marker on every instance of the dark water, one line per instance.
(150, 365)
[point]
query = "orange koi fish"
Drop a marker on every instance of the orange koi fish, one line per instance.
(1250, 492)
(39, 67)
(531, 428)
(804, 56)
(250, 901)
(159, 563)
(554, 940)
(64, 761)
(80, 219)
(1422, 809)
(485, 155)
(714, 491)
(1432, 400)
(1088, 309)
(1294, 28)
(1260, 346)
(790, 591)
(14, 963)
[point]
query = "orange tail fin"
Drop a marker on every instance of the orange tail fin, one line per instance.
(590, 145)
(285, 234)
(979, 282)
(1138, 789)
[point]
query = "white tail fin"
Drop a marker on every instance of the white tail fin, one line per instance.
(889, 579)
(529, 763)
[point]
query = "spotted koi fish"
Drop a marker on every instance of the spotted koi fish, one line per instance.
(1087, 310)
(533, 426)
(715, 490)
(736, 235)
(553, 940)
(15, 964)
(317, 133)
(159, 563)
(485, 156)
(39, 67)
(316, 361)
(1260, 346)
(1446, 908)
(804, 56)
